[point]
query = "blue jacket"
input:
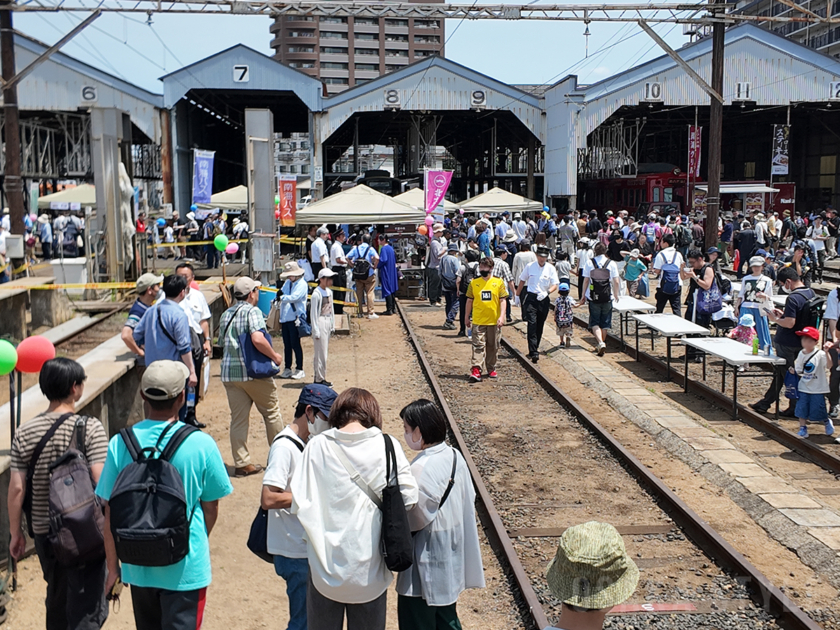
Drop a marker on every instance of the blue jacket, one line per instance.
(151, 332)
(292, 298)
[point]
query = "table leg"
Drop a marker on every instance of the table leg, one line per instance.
(734, 390)
(775, 384)
(723, 379)
(704, 367)
(668, 355)
(637, 342)
(651, 340)
(621, 329)
(685, 361)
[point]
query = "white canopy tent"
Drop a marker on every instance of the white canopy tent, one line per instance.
(74, 198)
(359, 204)
(727, 189)
(416, 197)
(498, 200)
(235, 198)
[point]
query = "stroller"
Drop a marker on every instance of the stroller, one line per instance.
(724, 321)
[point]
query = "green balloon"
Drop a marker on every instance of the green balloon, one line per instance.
(276, 199)
(8, 357)
(220, 242)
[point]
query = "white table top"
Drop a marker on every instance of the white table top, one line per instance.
(670, 325)
(627, 304)
(731, 351)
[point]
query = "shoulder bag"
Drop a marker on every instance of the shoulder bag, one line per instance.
(709, 301)
(257, 365)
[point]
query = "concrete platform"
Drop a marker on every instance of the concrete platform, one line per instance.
(69, 328)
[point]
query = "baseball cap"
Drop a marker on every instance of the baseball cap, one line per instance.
(809, 331)
(592, 568)
(761, 252)
(712, 250)
(319, 396)
(326, 272)
(147, 280)
(243, 286)
(164, 380)
(563, 286)
(452, 247)
(757, 261)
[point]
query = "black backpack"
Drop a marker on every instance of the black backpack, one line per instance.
(684, 236)
(600, 279)
(149, 519)
(361, 266)
(724, 284)
(815, 307)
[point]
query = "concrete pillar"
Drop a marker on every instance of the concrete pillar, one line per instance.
(50, 308)
(106, 134)
(262, 186)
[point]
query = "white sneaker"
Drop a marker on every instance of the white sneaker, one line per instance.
(373, 316)
(287, 373)
(298, 375)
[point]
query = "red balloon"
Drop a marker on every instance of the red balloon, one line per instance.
(33, 352)
(276, 214)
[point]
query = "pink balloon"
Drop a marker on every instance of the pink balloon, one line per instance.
(461, 210)
(430, 221)
(232, 248)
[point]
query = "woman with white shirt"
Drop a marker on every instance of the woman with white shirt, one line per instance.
(447, 556)
(343, 525)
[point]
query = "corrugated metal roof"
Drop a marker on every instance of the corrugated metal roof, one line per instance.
(264, 73)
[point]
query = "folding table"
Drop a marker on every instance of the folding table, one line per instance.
(669, 326)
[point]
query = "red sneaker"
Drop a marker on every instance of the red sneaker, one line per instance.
(475, 375)
(493, 374)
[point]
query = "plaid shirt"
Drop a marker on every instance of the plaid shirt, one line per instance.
(502, 270)
(239, 318)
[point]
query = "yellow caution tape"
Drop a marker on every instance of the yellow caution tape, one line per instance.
(191, 243)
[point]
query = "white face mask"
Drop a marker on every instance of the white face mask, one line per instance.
(319, 426)
(414, 445)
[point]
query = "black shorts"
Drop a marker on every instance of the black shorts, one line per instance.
(159, 609)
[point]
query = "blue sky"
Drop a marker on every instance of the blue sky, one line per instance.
(514, 52)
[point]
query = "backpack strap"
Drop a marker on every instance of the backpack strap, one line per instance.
(175, 441)
(30, 472)
(291, 439)
(451, 480)
(230, 321)
(355, 477)
(131, 443)
(80, 430)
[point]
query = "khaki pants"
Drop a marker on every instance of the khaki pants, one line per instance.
(320, 350)
(485, 347)
(364, 289)
(241, 396)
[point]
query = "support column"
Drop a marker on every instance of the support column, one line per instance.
(715, 135)
(166, 154)
(259, 151)
(531, 182)
(106, 134)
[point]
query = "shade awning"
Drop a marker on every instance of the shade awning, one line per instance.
(728, 189)
(416, 197)
(235, 198)
(75, 198)
(359, 204)
(498, 200)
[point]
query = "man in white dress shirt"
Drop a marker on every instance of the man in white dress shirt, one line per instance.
(320, 254)
(541, 280)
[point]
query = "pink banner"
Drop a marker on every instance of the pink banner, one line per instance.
(436, 185)
(695, 136)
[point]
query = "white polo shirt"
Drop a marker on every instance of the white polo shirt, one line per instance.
(336, 252)
(539, 278)
(319, 249)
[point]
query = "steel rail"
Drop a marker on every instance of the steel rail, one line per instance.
(496, 531)
(89, 325)
(765, 594)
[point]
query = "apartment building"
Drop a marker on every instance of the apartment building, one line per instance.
(822, 37)
(346, 51)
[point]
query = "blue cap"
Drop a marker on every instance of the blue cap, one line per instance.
(319, 396)
(563, 287)
(761, 253)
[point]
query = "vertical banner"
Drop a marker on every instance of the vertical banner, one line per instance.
(202, 176)
(779, 162)
(287, 191)
(435, 186)
(695, 137)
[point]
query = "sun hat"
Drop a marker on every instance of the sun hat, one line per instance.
(591, 568)
(809, 331)
(757, 261)
(746, 320)
(243, 286)
(438, 227)
(291, 269)
(635, 253)
(510, 237)
(147, 280)
(44, 218)
(191, 215)
(164, 379)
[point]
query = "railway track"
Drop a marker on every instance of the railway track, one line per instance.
(535, 478)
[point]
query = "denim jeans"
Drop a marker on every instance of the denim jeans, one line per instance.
(450, 299)
(296, 573)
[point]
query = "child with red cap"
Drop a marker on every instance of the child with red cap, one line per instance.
(811, 366)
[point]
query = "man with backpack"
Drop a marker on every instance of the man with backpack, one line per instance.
(667, 266)
(683, 238)
(160, 536)
(75, 591)
(364, 260)
(802, 309)
(449, 268)
(601, 286)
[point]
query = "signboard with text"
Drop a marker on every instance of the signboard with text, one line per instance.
(435, 186)
(287, 192)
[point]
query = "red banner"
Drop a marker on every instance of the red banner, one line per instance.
(695, 136)
(287, 191)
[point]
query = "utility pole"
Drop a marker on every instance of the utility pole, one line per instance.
(12, 181)
(715, 131)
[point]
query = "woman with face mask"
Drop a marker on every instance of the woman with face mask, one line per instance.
(447, 557)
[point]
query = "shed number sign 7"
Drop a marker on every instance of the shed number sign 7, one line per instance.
(241, 74)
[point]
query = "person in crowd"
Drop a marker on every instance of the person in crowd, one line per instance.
(433, 257)
(319, 253)
(744, 332)
(447, 552)
(450, 266)
(583, 255)
(501, 269)
(562, 265)
(746, 242)
(292, 298)
(338, 263)
(601, 286)
(501, 230)
(322, 316)
(169, 238)
(817, 235)
(485, 309)
(169, 597)
(519, 227)
(769, 269)
(147, 289)
(45, 235)
(594, 225)
(524, 257)
(196, 307)
(700, 277)
(483, 238)
(811, 366)
(467, 273)
(340, 517)
(285, 536)
(365, 287)
(667, 266)
(832, 224)
(211, 230)
(590, 574)
(163, 331)
(832, 346)
(713, 257)
(797, 315)
(192, 235)
(242, 391)
(725, 239)
(755, 289)
(633, 270)
(140, 224)
(76, 594)
(563, 315)
(800, 262)
(540, 280)
(569, 235)
(389, 275)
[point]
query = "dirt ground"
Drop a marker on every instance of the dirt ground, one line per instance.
(246, 593)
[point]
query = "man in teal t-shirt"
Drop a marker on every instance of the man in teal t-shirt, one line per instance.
(170, 597)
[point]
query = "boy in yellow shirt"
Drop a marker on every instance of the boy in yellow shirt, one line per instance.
(486, 302)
